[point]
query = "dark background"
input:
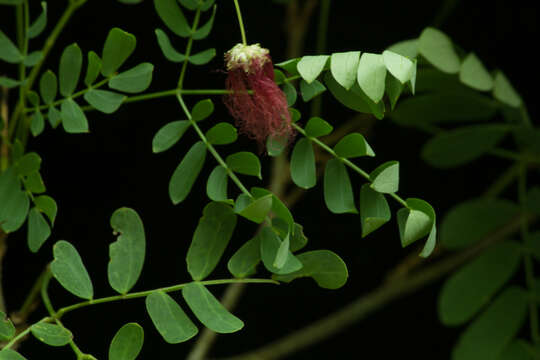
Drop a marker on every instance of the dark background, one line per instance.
(93, 174)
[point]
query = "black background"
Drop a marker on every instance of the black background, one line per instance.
(93, 174)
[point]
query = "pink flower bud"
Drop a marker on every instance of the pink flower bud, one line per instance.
(264, 112)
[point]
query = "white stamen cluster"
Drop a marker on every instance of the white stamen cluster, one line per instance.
(245, 56)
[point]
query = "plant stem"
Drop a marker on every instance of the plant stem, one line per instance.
(503, 181)
(240, 22)
(188, 50)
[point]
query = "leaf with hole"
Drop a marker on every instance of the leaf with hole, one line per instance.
(68, 268)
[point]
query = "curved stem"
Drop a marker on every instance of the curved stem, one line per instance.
(240, 22)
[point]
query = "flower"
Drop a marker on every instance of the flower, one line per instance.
(264, 112)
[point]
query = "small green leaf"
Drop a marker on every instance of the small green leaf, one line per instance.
(169, 318)
(311, 90)
(216, 187)
(492, 330)
(222, 134)
(399, 66)
(8, 51)
(34, 183)
(338, 193)
(371, 76)
(290, 93)
(39, 24)
(47, 205)
(278, 207)
(33, 98)
(408, 48)
(103, 100)
(393, 89)
(206, 4)
(324, 266)
(203, 57)
(295, 115)
(118, 47)
(349, 98)
(70, 69)
(166, 47)
(254, 210)
(8, 354)
(202, 110)
(54, 116)
(385, 178)
(38, 230)
(169, 135)
(9, 83)
(470, 288)
(244, 261)
(245, 163)
(209, 310)
(210, 239)
(303, 170)
(93, 69)
(344, 67)
(51, 334)
(310, 67)
(270, 246)
(505, 92)
(374, 210)
(171, 14)
(437, 48)
(7, 329)
(128, 251)
(134, 80)
(186, 173)
(413, 225)
(316, 127)
(37, 123)
(204, 30)
(48, 87)
(467, 223)
(462, 145)
(474, 74)
(290, 66)
(69, 270)
(15, 202)
(73, 118)
(127, 342)
(353, 145)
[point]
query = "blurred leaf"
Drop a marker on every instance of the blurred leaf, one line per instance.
(324, 266)
(310, 67)
(103, 100)
(169, 319)
(371, 76)
(398, 65)
(54, 116)
(51, 334)
(37, 123)
(47, 205)
(69, 270)
(173, 17)
(130, 2)
(216, 187)
(15, 202)
(438, 49)
(415, 222)
(9, 83)
(186, 173)
(344, 68)
(93, 69)
(467, 223)
(254, 210)
(290, 93)
(206, 4)
(134, 80)
(33, 98)
(221, 134)
(11, 2)
(462, 145)
(127, 252)
(209, 310)
(349, 98)
(353, 145)
(245, 260)
(303, 170)
(470, 288)
(204, 30)
(190, 4)
(245, 163)
(203, 57)
(516, 350)
(505, 92)
(127, 342)
(393, 89)
(210, 239)
(32, 58)
(316, 127)
(118, 47)
(70, 69)
(48, 87)
(270, 244)
(39, 24)
(295, 114)
(73, 118)
(492, 330)
(278, 207)
(533, 200)
(34, 183)
(276, 144)
(169, 135)
(38, 230)
(7, 329)
(8, 51)
(474, 74)
(385, 178)
(166, 47)
(290, 66)
(8, 354)
(311, 90)
(29, 163)
(408, 48)
(338, 193)
(202, 110)
(374, 210)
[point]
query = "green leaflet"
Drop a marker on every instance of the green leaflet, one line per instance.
(438, 49)
(8, 51)
(169, 135)
(127, 253)
(51, 334)
(270, 246)
(344, 68)
(473, 73)
(204, 31)
(8, 354)
(399, 66)
(39, 24)
(186, 173)
(385, 178)
(505, 92)
(173, 17)
(166, 47)
(371, 76)
(311, 90)
(47, 205)
(38, 230)
(73, 118)
(37, 123)
(7, 329)
(310, 67)
(255, 210)
(93, 69)
(104, 100)
(210, 239)
(48, 87)
(15, 202)
(245, 260)
(303, 170)
(244, 162)
(353, 145)
(338, 194)
(221, 134)
(374, 210)
(70, 69)
(127, 342)
(216, 187)
(209, 310)
(316, 127)
(202, 110)
(118, 47)
(69, 270)
(134, 80)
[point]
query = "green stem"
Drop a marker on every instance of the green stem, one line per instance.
(503, 181)
(240, 22)
(188, 49)
(25, 332)
(527, 260)
(347, 162)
